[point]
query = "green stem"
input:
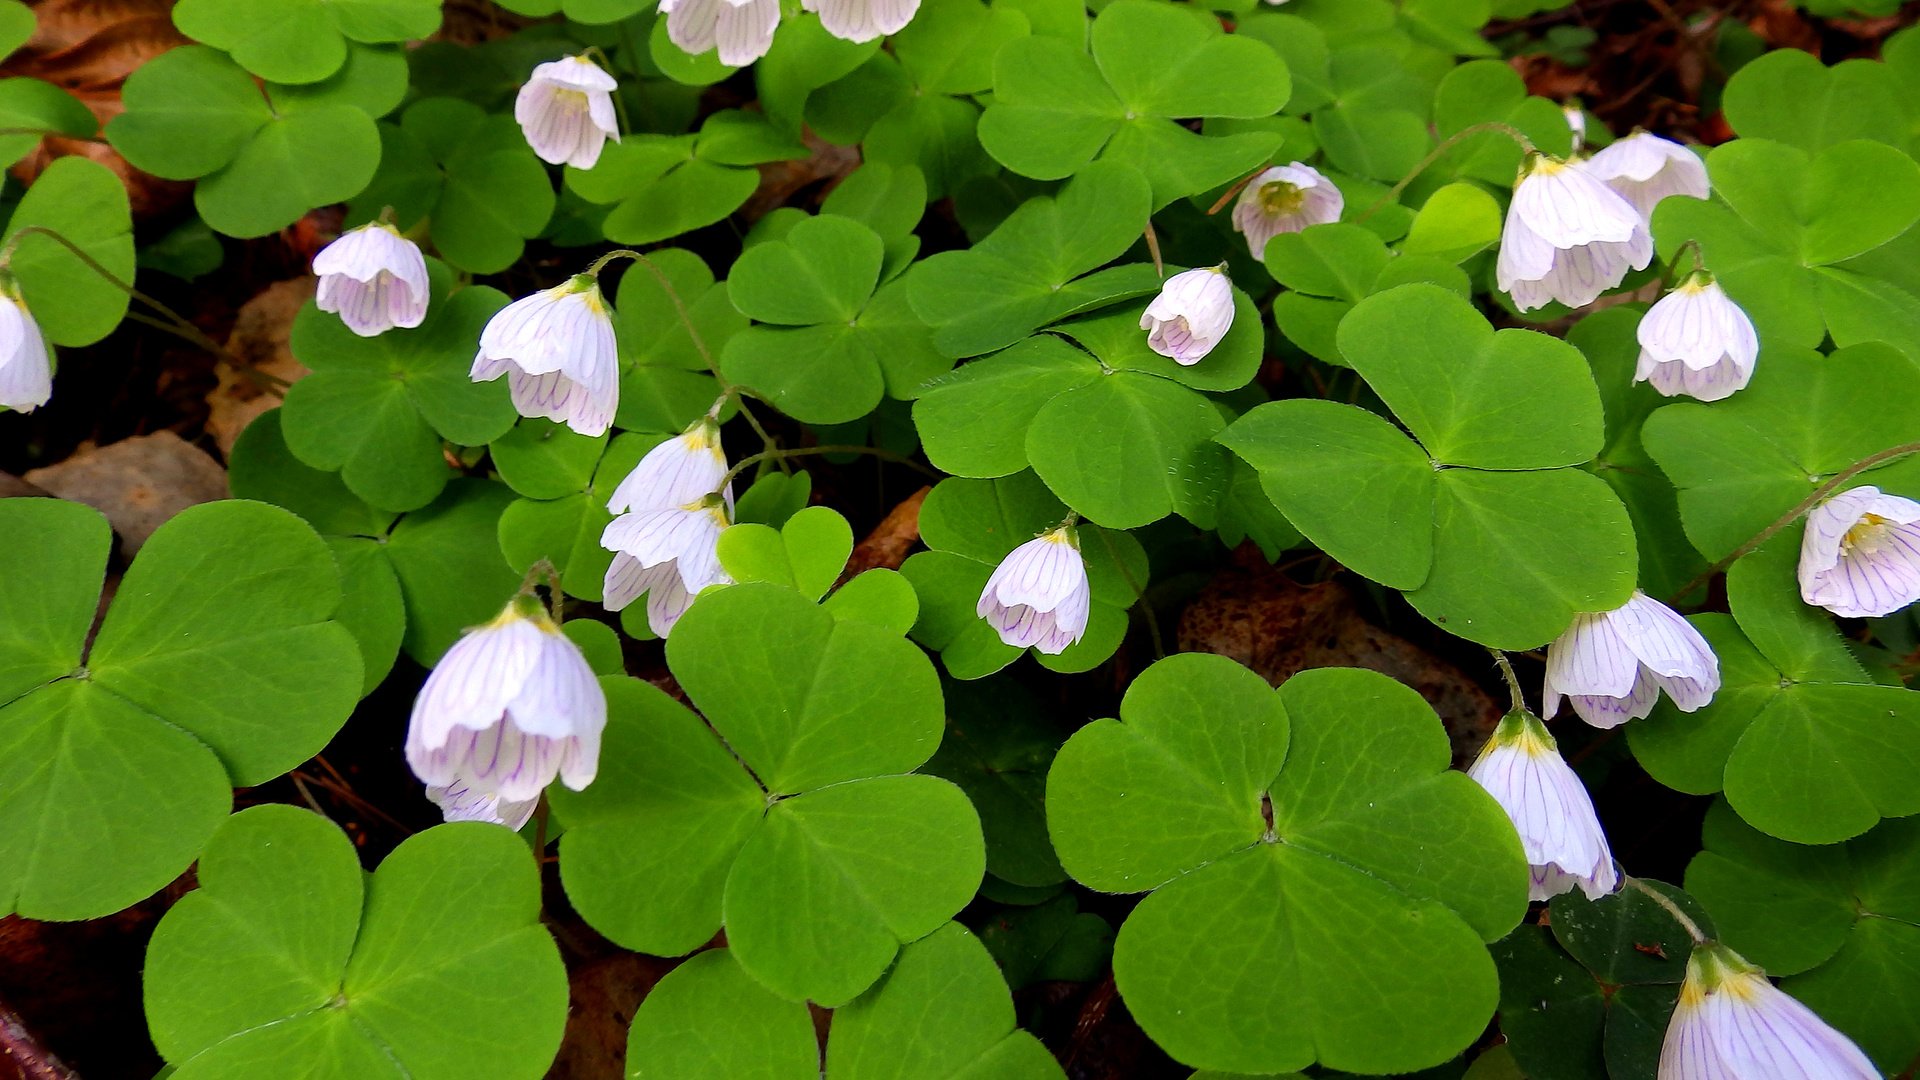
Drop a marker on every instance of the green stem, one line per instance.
(1666, 903)
(801, 451)
(1673, 274)
(1446, 144)
(1819, 495)
(1139, 594)
(1513, 680)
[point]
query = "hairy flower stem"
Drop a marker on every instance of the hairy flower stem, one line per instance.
(1446, 144)
(1513, 681)
(1819, 496)
(173, 322)
(728, 389)
(1666, 903)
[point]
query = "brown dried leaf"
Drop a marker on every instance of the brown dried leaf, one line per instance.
(261, 338)
(1277, 628)
(781, 180)
(138, 483)
(887, 545)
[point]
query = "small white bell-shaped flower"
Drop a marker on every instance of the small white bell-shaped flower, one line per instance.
(1192, 313)
(1860, 557)
(26, 364)
(566, 111)
(668, 554)
(1732, 1024)
(461, 801)
(863, 20)
(679, 471)
(1285, 199)
(374, 279)
(741, 29)
(1645, 168)
(1696, 342)
(511, 705)
(1038, 597)
(1611, 666)
(1568, 237)
(558, 351)
(1522, 769)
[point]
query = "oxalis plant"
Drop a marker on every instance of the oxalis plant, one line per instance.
(1622, 427)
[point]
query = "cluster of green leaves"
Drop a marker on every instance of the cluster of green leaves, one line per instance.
(1319, 890)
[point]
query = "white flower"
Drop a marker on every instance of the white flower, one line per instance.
(26, 365)
(1285, 198)
(1645, 168)
(1861, 554)
(558, 348)
(509, 707)
(1522, 769)
(1576, 122)
(741, 30)
(863, 20)
(1038, 596)
(1192, 313)
(1696, 342)
(668, 554)
(679, 471)
(566, 111)
(1612, 666)
(461, 801)
(1568, 237)
(1732, 1024)
(374, 279)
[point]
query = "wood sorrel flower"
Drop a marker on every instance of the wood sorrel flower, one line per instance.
(677, 472)
(1732, 1024)
(1192, 313)
(1038, 597)
(1522, 769)
(26, 366)
(374, 279)
(566, 111)
(557, 349)
(509, 707)
(863, 20)
(1612, 666)
(1644, 168)
(461, 801)
(669, 554)
(1285, 198)
(1860, 557)
(1696, 342)
(741, 30)
(1568, 237)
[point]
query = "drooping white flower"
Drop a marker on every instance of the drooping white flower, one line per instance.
(1860, 557)
(26, 365)
(1732, 1024)
(1612, 666)
(509, 707)
(1645, 168)
(1568, 237)
(566, 111)
(1522, 769)
(374, 279)
(1038, 597)
(742, 30)
(461, 801)
(1192, 313)
(863, 20)
(670, 555)
(679, 471)
(1284, 199)
(1696, 342)
(557, 349)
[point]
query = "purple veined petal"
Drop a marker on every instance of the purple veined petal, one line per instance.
(1731, 1022)
(26, 366)
(1567, 207)
(1666, 644)
(1589, 658)
(475, 681)
(487, 369)
(561, 697)
(575, 73)
(668, 598)
(679, 471)
(1549, 808)
(460, 801)
(509, 761)
(1525, 256)
(1021, 626)
(1610, 712)
(1041, 573)
(743, 33)
(863, 20)
(1192, 312)
(1308, 198)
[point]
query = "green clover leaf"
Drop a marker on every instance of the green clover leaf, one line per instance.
(302, 41)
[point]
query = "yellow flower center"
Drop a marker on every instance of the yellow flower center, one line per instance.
(1281, 197)
(1865, 536)
(574, 99)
